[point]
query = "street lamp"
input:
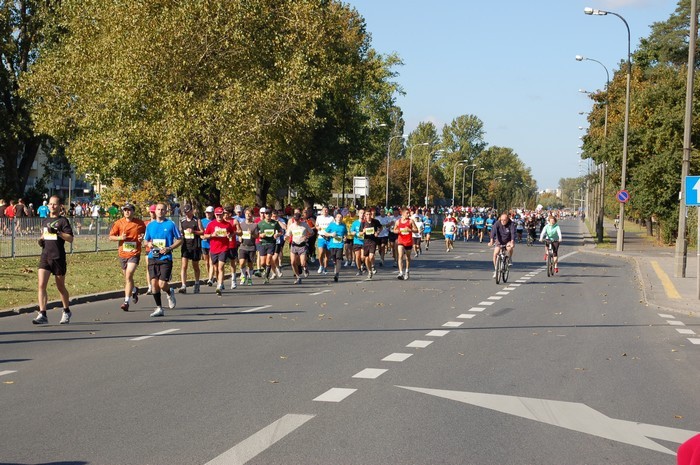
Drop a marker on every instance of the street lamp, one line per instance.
(601, 200)
(427, 176)
(454, 175)
(621, 230)
(410, 170)
(388, 150)
(471, 197)
(464, 171)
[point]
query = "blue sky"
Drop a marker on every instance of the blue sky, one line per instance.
(512, 64)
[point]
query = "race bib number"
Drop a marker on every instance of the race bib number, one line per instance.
(337, 239)
(48, 236)
(297, 233)
(369, 231)
(189, 235)
(269, 232)
(449, 228)
(404, 231)
(159, 243)
(246, 235)
(220, 232)
(129, 246)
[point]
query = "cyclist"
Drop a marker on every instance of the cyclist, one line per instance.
(503, 235)
(552, 232)
(531, 226)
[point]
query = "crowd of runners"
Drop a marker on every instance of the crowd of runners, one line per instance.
(231, 246)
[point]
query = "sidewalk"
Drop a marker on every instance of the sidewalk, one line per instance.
(655, 268)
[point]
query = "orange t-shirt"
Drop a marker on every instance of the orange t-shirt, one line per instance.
(131, 247)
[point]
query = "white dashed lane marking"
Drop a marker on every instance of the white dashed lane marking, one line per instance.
(334, 395)
(664, 315)
(495, 297)
(256, 309)
(396, 357)
(453, 324)
(477, 309)
(161, 333)
(419, 344)
(486, 302)
(685, 331)
(437, 333)
(502, 293)
(370, 373)
(321, 292)
(466, 316)
(7, 372)
(694, 340)
(675, 323)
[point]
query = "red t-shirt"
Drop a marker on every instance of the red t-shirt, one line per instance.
(405, 232)
(220, 232)
(233, 242)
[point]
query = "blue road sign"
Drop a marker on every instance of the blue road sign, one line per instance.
(692, 186)
(623, 196)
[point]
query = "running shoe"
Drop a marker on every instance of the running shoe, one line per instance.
(40, 319)
(335, 277)
(400, 276)
(325, 271)
(196, 288)
(182, 290)
(210, 283)
(135, 295)
(297, 280)
(266, 280)
(233, 283)
(218, 291)
(149, 291)
(494, 275)
(158, 312)
(171, 298)
(279, 273)
(125, 306)
(359, 273)
(369, 276)
(320, 270)
(242, 279)
(556, 270)
(65, 318)
(249, 281)
(306, 272)
(405, 275)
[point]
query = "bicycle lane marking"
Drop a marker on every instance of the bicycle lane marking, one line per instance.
(666, 282)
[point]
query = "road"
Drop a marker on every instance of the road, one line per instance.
(446, 368)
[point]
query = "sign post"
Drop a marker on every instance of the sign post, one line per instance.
(360, 186)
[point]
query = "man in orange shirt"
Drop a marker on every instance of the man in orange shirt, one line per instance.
(129, 232)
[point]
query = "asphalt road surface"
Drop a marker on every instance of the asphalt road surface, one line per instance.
(446, 368)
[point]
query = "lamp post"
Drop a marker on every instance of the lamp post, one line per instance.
(410, 170)
(454, 176)
(427, 176)
(621, 230)
(601, 199)
(464, 172)
(471, 197)
(388, 151)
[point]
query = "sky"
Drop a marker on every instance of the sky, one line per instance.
(510, 63)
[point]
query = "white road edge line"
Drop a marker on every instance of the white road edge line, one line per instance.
(263, 439)
(161, 333)
(256, 309)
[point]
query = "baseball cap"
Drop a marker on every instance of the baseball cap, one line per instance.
(263, 210)
(238, 208)
(152, 208)
(218, 211)
(209, 209)
(352, 208)
(187, 208)
(128, 206)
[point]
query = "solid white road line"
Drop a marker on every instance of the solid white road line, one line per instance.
(396, 357)
(419, 344)
(370, 373)
(334, 395)
(437, 333)
(256, 309)
(7, 372)
(258, 442)
(161, 333)
(321, 292)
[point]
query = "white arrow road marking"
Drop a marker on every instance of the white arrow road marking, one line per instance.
(258, 442)
(569, 415)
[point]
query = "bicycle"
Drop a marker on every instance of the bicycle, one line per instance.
(550, 257)
(530, 239)
(502, 268)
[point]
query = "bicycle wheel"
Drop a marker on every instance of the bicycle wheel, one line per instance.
(505, 270)
(499, 265)
(550, 264)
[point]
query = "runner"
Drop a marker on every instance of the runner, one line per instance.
(191, 230)
(322, 243)
(206, 248)
(308, 217)
(405, 229)
(246, 250)
(479, 221)
(370, 227)
(152, 217)
(279, 245)
(129, 231)
(348, 221)
(466, 223)
(219, 233)
(337, 231)
(417, 235)
(299, 233)
(387, 223)
(270, 231)
(448, 229)
(395, 216)
(56, 232)
(162, 236)
(233, 241)
(358, 242)
(427, 228)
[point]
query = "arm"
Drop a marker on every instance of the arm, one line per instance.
(543, 233)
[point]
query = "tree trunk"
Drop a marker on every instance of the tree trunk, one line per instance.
(262, 187)
(650, 227)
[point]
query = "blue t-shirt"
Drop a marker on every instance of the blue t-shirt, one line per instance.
(355, 228)
(43, 211)
(205, 242)
(479, 222)
(427, 224)
(162, 234)
(341, 231)
(281, 221)
(489, 223)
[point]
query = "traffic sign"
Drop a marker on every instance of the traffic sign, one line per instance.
(692, 191)
(623, 196)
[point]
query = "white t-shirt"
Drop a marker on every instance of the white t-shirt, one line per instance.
(95, 211)
(420, 225)
(386, 222)
(322, 223)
